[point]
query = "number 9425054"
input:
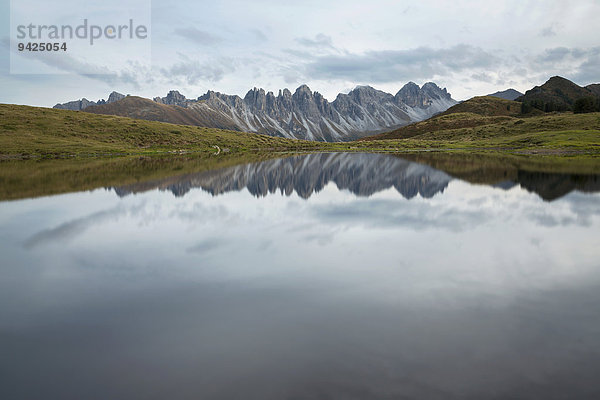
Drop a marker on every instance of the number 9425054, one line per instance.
(42, 46)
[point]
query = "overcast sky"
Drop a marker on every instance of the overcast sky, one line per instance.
(469, 47)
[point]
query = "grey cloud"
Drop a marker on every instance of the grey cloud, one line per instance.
(207, 246)
(558, 54)
(193, 71)
(584, 206)
(578, 64)
(67, 63)
(548, 220)
(417, 216)
(588, 72)
(395, 65)
(72, 229)
(321, 238)
(259, 35)
(482, 77)
(320, 41)
(302, 54)
(265, 245)
(198, 36)
(548, 31)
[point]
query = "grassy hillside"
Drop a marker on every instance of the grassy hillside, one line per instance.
(478, 111)
(580, 132)
(486, 106)
(557, 94)
(140, 108)
(438, 123)
(27, 132)
(492, 122)
(33, 131)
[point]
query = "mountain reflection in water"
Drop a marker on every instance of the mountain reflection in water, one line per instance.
(372, 277)
(361, 174)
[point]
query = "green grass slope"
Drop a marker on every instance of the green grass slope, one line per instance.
(141, 108)
(488, 106)
(557, 94)
(478, 111)
(570, 132)
(33, 131)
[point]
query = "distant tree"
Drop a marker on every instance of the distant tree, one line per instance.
(585, 105)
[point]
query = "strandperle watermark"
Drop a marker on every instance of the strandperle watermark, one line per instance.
(85, 30)
(92, 38)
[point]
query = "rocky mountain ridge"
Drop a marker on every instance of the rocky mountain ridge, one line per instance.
(303, 114)
(78, 105)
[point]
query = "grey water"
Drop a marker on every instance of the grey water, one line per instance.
(344, 276)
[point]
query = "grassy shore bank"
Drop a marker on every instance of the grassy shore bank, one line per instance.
(33, 132)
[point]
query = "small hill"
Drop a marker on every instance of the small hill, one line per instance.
(487, 106)
(474, 112)
(464, 120)
(508, 94)
(557, 94)
(141, 108)
(549, 131)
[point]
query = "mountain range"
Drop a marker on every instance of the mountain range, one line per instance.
(81, 104)
(303, 114)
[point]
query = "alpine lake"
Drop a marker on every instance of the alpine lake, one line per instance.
(313, 276)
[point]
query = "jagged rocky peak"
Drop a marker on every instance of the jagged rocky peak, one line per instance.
(284, 99)
(435, 92)
(211, 94)
(422, 97)
(173, 98)
(411, 95)
(303, 89)
(285, 94)
(367, 95)
(256, 99)
(84, 103)
(115, 96)
(305, 103)
(303, 95)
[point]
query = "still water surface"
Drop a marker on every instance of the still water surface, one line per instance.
(317, 277)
